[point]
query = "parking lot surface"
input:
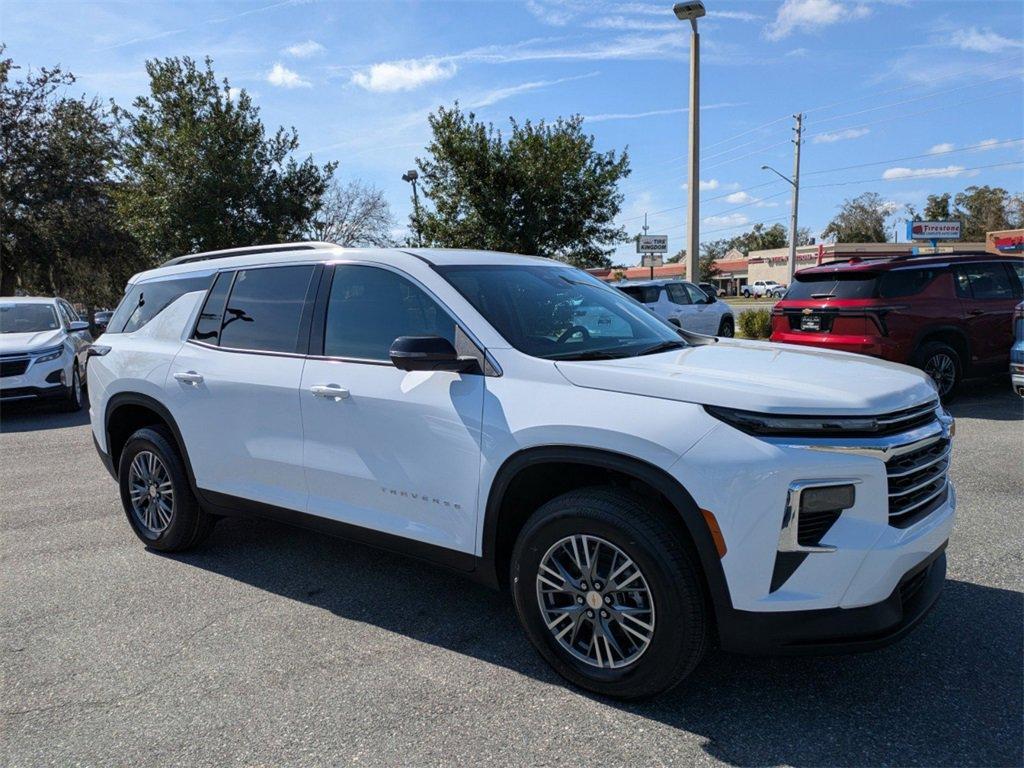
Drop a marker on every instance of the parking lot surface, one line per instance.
(272, 646)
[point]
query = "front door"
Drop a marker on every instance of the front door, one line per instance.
(234, 388)
(988, 293)
(705, 312)
(385, 449)
(681, 308)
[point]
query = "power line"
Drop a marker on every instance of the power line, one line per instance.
(940, 153)
(923, 174)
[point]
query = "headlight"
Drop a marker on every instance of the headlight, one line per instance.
(46, 355)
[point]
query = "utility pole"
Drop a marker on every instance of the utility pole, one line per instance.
(645, 232)
(797, 140)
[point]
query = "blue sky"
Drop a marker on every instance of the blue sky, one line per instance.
(923, 95)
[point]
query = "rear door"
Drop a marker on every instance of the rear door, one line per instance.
(705, 312)
(385, 449)
(988, 293)
(234, 387)
(681, 308)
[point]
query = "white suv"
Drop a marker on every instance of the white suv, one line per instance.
(43, 350)
(683, 304)
(641, 491)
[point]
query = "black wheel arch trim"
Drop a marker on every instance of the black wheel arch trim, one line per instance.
(931, 330)
(136, 398)
(656, 478)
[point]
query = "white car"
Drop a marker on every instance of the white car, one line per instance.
(641, 492)
(761, 288)
(683, 304)
(43, 350)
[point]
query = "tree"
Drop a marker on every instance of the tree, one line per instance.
(59, 232)
(200, 171)
(936, 208)
(353, 214)
(542, 190)
(982, 210)
(760, 238)
(861, 220)
(676, 257)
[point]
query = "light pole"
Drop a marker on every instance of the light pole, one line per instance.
(795, 183)
(411, 176)
(691, 11)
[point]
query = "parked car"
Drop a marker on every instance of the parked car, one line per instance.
(683, 304)
(948, 315)
(100, 319)
(709, 289)
(474, 409)
(762, 288)
(1017, 352)
(43, 348)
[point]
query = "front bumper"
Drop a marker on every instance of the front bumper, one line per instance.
(15, 394)
(839, 630)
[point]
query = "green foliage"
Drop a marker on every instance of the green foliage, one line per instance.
(756, 323)
(676, 257)
(542, 190)
(860, 220)
(201, 173)
(60, 233)
(936, 207)
(761, 238)
(982, 210)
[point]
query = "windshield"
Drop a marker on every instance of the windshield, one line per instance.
(27, 318)
(850, 285)
(560, 313)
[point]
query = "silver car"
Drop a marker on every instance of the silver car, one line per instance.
(683, 304)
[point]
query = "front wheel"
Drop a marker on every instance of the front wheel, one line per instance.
(608, 594)
(727, 327)
(73, 398)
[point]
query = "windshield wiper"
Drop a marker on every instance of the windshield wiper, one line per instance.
(595, 354)
(663, 346)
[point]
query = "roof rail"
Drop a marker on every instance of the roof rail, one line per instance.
(229, 252)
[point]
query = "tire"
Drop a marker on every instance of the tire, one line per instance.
(73, 396)
(179, 523)
(943, 364)
(677, 624)
(746, 294)
(727, 327)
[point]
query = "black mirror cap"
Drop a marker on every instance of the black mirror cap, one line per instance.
(429, 353)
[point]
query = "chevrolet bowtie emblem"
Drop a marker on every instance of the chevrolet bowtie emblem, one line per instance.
(807, 311)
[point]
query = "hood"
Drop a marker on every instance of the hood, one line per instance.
(760, 376)
(30, 342)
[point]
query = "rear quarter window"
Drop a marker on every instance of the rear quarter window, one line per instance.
(645, 294)
(905, 282)
(144, 301)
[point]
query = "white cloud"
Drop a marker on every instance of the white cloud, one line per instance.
(305, 50)
(798, 53)
(740, 197)
(633, 25)
(706, 184)
(938, 149)
(948, 172)
(987, 144)
(552, 12)
(983, 41)
(283, 77)
(500, 94)
(844, 135)
(234, 93)
(606, 116)
(727, 220)
(812, 15)
(734, 15)
(407, 75)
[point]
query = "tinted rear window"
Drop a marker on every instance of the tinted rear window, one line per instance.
(144, 301)
(905, 282)
(645, 294)
(264, 310)
(833, 286)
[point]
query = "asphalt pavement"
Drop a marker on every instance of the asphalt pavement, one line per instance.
(275, 646)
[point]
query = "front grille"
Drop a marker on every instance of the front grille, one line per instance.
(918, 482)
(13, 367)
(908, 418)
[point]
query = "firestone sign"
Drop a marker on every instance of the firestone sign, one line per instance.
(933, 230)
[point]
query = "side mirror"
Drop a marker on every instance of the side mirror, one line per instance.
(78, 325)
(429, 353)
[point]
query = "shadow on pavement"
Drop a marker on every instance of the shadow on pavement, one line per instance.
(988, 399)
(31, 417)
(948, 694)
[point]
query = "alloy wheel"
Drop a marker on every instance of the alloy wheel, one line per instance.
(151, 493)
(942, 369)
(595, 601)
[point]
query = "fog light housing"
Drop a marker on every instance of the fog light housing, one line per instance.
(827, 498)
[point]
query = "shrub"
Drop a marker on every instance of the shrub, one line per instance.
(756, 323)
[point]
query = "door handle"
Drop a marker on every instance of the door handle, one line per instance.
(189, 377)
(331, 391)
(976, 312)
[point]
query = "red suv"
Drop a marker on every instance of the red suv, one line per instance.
(950, 315)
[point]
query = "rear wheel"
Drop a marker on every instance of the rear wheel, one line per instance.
(943, 364)
(156, 494)
(608, 594)
(746, 294)
(727, 327)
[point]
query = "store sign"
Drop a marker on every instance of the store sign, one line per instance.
(933, 230)
(652, 244)
(652, 260)
(1008, 243)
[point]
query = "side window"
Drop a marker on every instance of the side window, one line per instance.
(62, 310)
(146, 300)
(697, 296)
(1017, 270)
(988, 281)
(370, 307)
(208, 325)
(905, 282)
(677, 293)
(264, 311)
(69, 311)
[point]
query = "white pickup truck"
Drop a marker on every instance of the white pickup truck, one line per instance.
(762, 288)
